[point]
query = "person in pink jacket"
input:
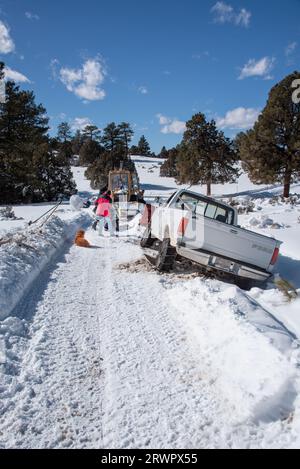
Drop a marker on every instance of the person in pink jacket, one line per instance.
(104, 213)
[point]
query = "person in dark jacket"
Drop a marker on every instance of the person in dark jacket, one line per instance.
(140, 197)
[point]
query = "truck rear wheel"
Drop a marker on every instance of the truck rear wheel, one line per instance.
(166, 256)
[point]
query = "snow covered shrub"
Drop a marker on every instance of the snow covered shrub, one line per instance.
(243, 206)
(288, 290)
(233, 202)
(7, 213)
(279, 200)
(293, 200)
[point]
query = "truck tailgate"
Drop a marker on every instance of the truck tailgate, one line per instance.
(230, 241)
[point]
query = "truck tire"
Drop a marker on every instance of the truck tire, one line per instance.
(165, 259)
(244, 283)
(147, 240)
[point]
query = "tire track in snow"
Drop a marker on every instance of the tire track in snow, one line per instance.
(157, 393)
(59, 404)
(154, 387)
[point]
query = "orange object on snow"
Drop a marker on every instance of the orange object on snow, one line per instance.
(80, 240)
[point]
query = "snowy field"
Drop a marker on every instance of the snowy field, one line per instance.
(101, 351)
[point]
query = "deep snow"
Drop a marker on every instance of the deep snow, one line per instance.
(96, 354)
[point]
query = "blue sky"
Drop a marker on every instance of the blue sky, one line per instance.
(151, 63)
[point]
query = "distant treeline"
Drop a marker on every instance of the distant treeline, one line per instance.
(36, 167)
(269, 153)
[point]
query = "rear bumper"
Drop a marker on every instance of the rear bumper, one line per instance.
(221, 264)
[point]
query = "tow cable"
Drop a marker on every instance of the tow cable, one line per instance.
(11, 238)
(52, 210)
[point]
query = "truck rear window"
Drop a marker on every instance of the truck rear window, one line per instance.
(221, 214)
(200, 206)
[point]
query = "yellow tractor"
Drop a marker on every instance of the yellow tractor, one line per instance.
(125, 190)
(124, 185)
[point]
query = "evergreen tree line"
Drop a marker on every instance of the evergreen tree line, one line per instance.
(142, 148)
(103, 151)
(269, 153)
(33, 166)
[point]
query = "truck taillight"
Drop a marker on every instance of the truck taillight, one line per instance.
(275, 256)
(182, 226)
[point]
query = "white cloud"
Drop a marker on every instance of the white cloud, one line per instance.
(239, 118)
(79, 123)
(171, 126)
(243, 18)
(259, 68)
(32, 16)
(163, 120)
(6, 43)
(290, 49)
(15, 76)
(86, 81)
(175, 127)
(224, 13)
(54, 64)
(143, 90)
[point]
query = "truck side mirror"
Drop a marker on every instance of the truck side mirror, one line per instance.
(182, 207)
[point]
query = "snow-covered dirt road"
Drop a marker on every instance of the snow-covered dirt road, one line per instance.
(102, 356)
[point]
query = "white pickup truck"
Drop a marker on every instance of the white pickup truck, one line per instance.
(206, 231)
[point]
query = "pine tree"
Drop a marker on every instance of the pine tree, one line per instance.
(169, 167)
(91, 132)
(111, 137)
(31, 168)
(6, 182)
(134, 150)
(53, 176)
(77, 142)
(163, 153)
(126, 134)
(270, 152)
(64, 133)
(205, 155)
(89, 152)
(23, 126)
(144, 147)
(98, 171)
(64, 137)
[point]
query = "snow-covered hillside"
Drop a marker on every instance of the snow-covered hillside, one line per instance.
(101, 351)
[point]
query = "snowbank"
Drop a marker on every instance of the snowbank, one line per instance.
(22, 259)
(253, 355)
